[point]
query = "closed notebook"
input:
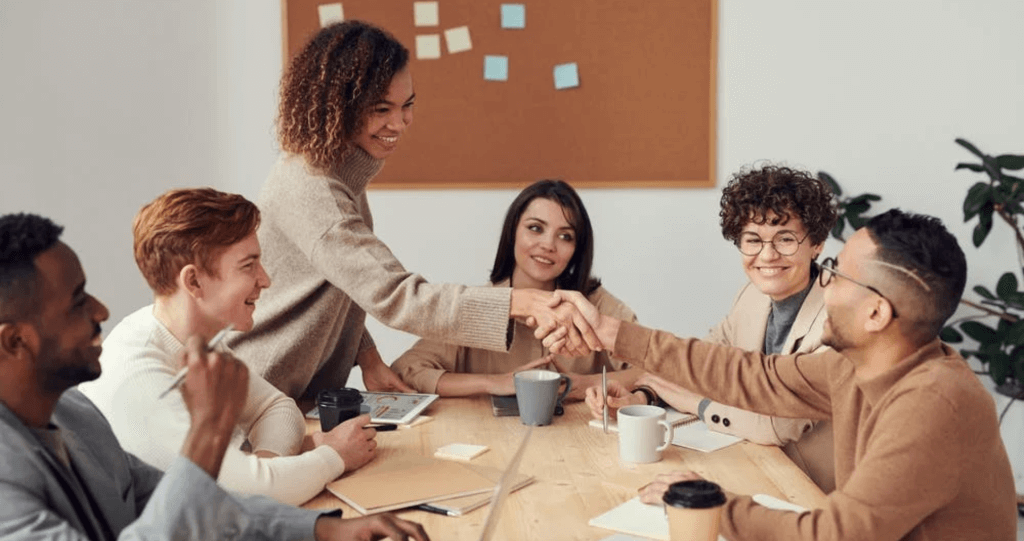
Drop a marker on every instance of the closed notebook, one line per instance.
(407, 480)
(464, 504)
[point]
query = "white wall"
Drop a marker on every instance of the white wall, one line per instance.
(107, 103)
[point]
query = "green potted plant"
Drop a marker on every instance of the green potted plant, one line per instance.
(998, 325)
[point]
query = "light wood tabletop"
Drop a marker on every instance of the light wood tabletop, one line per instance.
(576, 469)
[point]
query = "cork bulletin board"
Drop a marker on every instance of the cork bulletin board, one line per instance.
(642, 114)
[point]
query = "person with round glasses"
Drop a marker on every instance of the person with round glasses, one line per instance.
(779, 218)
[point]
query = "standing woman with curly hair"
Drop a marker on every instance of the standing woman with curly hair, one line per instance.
(779, 219)
(346, 100)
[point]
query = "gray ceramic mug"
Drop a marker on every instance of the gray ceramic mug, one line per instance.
(537, 395)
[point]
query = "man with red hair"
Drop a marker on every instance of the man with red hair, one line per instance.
(198, 251)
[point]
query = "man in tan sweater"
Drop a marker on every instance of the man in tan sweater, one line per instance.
(918, 453)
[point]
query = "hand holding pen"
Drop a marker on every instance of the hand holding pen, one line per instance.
(214, 342)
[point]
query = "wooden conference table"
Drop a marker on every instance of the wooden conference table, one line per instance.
(576, 469)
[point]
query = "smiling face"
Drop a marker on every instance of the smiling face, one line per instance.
(387, 120)
(780, 276)
(847, 303)
(230, 296)
(68, 342)
(545, 242)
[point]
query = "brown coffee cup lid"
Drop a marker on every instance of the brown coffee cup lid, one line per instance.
(697, 494)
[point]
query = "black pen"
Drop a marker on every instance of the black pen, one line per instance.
(382, 428)
(432, 509)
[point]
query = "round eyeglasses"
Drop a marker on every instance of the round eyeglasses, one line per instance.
(828, 270)
(785, 243)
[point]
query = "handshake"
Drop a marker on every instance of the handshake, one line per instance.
(565, 321)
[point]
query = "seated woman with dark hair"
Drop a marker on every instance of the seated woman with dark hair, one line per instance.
(779, 219)
(546, 243)
(198, 251)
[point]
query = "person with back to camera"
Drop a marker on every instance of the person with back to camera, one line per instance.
(918, 452)
(65, 477)
(346, 100)
(779, 219)
(197, 249)
(546, 242)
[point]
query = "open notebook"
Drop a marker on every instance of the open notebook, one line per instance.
(687, 431)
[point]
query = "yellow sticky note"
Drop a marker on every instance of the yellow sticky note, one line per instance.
(428, 46)
(330, 14)
(458, 39)
(425, 13)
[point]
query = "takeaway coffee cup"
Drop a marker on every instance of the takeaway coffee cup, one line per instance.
(337, 406)
(537, 395)
(694, 510)
(643, 433)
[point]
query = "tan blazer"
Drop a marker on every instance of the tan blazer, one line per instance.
(808, 443)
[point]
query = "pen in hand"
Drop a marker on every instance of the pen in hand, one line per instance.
(209, 347)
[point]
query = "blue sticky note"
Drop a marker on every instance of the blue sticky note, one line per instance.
(513, 16)
(495, 68)
(566, 76)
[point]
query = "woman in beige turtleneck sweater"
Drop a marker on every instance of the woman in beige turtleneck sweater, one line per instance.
(346, 100)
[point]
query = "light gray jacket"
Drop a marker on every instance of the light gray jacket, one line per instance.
(42, 499)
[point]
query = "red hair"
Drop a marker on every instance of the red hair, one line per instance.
(188, 226)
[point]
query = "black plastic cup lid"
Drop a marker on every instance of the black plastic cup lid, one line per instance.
(694, 495)
(339, 397)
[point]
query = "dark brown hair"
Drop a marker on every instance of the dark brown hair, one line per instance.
(330, 87)
(752, 193)
(576, 275)
(189, 226)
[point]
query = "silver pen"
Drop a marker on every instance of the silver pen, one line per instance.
(604, 393)
(209, 347)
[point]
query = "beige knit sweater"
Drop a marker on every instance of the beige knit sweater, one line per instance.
(918, 453)
(423, 365)
(329, 270)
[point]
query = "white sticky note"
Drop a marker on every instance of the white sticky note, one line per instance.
(460, 451)
(566, 76)
(424, 13)
(495, 68)
(458, 39)
(330, 13)
(513, 16)
(428, 46)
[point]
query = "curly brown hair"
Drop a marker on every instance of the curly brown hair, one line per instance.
(752, 193)
(330, 87)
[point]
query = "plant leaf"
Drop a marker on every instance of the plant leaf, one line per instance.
(856, 221)
(951, 335)
(831, 183)
(984, 225)
(1015, 335)
(837, 230)
(984, 292)
(1010, 161)
(967, 144)
(979, 332)
(976, 167)
(977, 196)
(999, 368)
(1007, 286)
(857, 207)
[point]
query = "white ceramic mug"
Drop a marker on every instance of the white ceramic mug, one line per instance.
(643, 433)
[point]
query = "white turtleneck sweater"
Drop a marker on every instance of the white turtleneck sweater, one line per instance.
(140, 360)
(329, 270)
